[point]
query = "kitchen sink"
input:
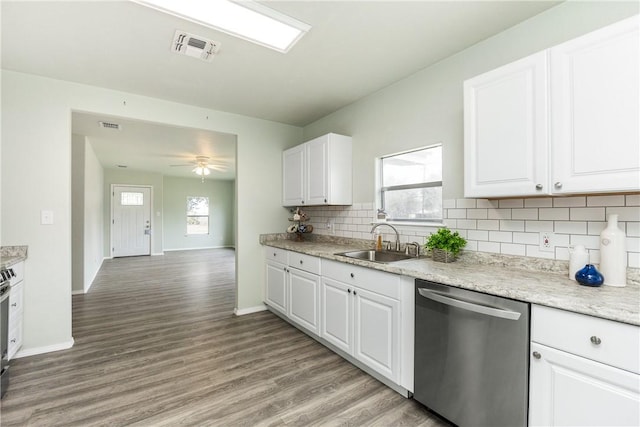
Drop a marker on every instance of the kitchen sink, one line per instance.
(376, 256)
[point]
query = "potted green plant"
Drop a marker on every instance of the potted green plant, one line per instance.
(445, 245)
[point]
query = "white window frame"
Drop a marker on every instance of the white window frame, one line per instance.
(208, 216)
(380, 189)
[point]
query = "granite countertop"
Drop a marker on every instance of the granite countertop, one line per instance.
(11, 255)
(550, 288)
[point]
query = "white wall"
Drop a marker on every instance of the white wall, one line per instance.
(427, 107)
(221, 212)
(132, 177)
(93, 216)
(36, 127)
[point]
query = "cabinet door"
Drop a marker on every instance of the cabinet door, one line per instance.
(596, 110)
(293, 176)
(571, 390)
(276, 289)
(336, 317)
(304, 291)
(317, 171)
(505, 130)
(376, 332)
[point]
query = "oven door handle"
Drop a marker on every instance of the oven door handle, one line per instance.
(482, 309)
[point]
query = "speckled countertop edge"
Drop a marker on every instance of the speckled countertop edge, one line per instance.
(548, 288)
(11, 255)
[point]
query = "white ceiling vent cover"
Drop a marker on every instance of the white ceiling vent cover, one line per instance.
(194, 46)
(109, 125)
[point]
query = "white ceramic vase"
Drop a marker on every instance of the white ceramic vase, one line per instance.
(578, 258)
(613, 254)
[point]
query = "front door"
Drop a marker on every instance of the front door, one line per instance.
(131, 221)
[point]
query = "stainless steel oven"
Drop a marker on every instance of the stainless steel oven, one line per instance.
(471, 356)
(5, 287)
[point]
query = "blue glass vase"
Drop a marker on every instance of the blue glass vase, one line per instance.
(589, 276)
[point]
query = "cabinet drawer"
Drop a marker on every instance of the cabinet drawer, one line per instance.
(275, 254)
(15, 340)
(15, 301)
(375, 281)
(613, 343)
(304, 262)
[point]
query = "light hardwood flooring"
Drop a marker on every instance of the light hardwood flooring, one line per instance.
(157, 344)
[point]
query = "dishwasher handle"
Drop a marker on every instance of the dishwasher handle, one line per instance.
(482, 309)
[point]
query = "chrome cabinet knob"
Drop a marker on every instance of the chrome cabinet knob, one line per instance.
(595, 340)
(558, 184)
(352, 275)
(301, 262)
(536, 355)
(538, 186)
(349, 290)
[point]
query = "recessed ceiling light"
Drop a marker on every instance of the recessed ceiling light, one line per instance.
(245, 19)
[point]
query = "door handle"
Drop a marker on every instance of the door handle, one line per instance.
(482, 309)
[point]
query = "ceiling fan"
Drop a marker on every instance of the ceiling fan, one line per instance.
(202, 166)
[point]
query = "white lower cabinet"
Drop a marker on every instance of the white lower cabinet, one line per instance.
(304, 291)
(16, 311)
(360, 312)
(360, 322)
(583, 370)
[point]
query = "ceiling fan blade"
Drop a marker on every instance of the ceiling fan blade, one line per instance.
(217, 167)
(184, 164)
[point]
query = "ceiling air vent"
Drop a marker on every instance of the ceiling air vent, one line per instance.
(194, 46)
(108, 125)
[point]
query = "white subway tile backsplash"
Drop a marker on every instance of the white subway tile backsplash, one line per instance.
(553, 214)
(587, 214)
(477, 213)
(498, 213)
(569, 202)
(526, 213)
(484, 203)
(616, 200)
(478, 235)
(634, 260)
(511, 203)
(468, 224)
(449, 204)
(465, 203)
(631, 213)
(632, 200)
(533, 226)
(589, 242)
(545, 202)
(570, 227)
(488, 224)
(456, 213)
(509, 226)
(492, 247)
(526, 238)
(501, 236)
(513, 249)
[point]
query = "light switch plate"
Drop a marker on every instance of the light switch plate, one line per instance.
(46, 217)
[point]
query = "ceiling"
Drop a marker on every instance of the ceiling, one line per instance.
(353, 49)
(158, 148)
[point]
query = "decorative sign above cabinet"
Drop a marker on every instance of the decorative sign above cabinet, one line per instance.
(561, 121)
(318, 172)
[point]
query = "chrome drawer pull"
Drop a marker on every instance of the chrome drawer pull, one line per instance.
(595, 340)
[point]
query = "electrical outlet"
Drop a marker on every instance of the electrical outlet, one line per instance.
(547, 241)
(331, 226)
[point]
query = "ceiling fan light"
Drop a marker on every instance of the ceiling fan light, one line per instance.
(206, 171)
(201, 170)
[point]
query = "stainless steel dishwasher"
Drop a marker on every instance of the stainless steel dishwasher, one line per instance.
(471, 356)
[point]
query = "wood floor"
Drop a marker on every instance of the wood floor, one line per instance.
(157, 344)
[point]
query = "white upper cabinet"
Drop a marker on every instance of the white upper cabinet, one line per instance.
(595, 140)
(318, 172)
(561, 121)
(506, 130)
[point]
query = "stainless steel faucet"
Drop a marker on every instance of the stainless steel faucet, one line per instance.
(394, 229)
(416, 245)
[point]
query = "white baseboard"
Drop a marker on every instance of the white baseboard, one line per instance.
(107, 257)
(195, 249)
(157, 254)
(78, 292)
(249, 310)
(46, 349)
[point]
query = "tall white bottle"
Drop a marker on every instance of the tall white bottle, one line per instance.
(613, 254)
